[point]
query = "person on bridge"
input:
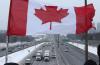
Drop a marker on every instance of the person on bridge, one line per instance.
(98, 52)
(90, 62)
(10, 64)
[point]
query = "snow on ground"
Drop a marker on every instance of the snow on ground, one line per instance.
(3, 45)
(20, 55)
(91, 49)
(39, 39)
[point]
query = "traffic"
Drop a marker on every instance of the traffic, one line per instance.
(46, 53)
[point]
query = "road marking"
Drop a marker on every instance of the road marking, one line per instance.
(57, 57)
(61, 54)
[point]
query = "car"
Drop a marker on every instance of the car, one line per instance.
(3, 49)
(38, 58)
(10, 51)
(66, 50)
(53, 56)
(27, 61)
(66, 44)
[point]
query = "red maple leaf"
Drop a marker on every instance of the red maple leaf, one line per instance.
(51, 14)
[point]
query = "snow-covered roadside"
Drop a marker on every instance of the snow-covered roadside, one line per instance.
(91, 49)
(3, 45)
(20, 55)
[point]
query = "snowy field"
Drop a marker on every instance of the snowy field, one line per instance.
(3, 45)
(20, 55)
(91, 49)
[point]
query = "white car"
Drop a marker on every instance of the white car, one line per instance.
(54, 55)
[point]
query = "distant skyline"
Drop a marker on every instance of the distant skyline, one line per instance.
(4, 9)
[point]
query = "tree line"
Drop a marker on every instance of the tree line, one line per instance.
(12, 39)
(91, 36)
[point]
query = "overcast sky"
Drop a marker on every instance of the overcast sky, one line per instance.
(4, 9)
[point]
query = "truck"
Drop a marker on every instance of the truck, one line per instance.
(46, 55)
(39, 55)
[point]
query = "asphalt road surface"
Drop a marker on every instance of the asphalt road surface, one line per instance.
(72, 55)
(65, 55)
(53, 61)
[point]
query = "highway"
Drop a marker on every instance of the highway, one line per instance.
(65, 55)
(53, 61)
(74, 56)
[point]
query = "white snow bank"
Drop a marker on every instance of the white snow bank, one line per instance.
(19, 56)
(3, 45)
(91, 49)
(39, 39)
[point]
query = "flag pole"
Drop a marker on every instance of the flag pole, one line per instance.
(50, 25)
(86, 46)
(58, 40)
(86, 38)
(7, 46)
(7, 37)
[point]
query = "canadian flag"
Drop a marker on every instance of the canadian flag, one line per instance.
(27, 17)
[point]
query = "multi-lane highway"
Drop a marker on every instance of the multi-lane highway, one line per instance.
(53, 61)
(65, 55)
(73, 55)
